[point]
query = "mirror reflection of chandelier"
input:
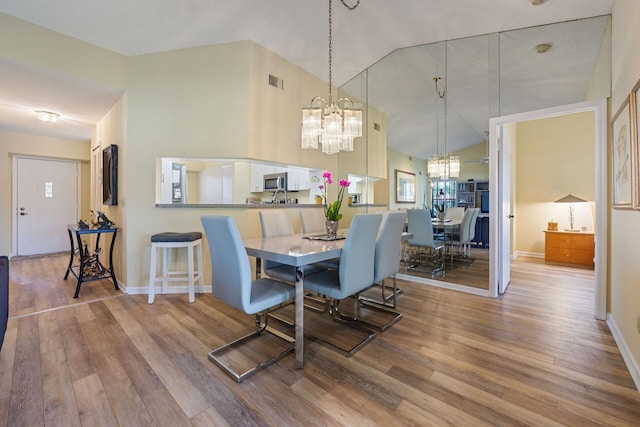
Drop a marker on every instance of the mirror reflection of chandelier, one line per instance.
(442, 166)
(334, 125)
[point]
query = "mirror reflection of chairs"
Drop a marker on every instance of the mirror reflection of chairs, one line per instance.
(460, 243)
(232, 284)
(425, 252)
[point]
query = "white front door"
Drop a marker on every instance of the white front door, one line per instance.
(46, 202)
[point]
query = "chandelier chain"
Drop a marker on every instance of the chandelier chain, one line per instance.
(330, 48)
(350, 7)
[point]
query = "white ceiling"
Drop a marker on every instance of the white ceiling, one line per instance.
(294, 29)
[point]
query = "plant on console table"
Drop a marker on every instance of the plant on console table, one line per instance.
(332, 210)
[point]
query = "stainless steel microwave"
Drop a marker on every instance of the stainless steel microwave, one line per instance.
(275, 181)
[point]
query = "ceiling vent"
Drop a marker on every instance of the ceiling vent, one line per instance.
(276, 82)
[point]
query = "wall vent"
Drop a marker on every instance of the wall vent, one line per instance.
(376, 126)
(276, 82)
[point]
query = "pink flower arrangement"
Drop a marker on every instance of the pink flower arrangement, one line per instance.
(332, 210)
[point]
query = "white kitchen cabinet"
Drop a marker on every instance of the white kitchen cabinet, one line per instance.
(297, 179)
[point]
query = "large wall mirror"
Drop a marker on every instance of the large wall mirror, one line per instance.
(477, 78)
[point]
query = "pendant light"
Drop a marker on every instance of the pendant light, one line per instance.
(333, 125)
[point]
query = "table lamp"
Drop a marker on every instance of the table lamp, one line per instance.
(571, 199)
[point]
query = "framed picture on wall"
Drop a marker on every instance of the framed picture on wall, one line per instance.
(110, 175)
(634, 102)
(405, 187)
(621, 146)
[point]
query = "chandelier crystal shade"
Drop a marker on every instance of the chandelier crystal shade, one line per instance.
(333, 125)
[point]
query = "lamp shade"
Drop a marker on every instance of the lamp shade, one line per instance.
(570, 198)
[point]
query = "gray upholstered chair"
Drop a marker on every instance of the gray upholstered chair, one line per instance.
(312, 220)
(274, 222)
(355, 272)
(232, 284)
(462, 240)
(454, 213)
(419, 224)
(388, 255)
(389, 252)
(386, 264)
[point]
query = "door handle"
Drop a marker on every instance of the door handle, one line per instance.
(510, 216)
(23, 213)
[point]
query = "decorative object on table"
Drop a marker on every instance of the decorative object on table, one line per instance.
(571, 199)
(326, 122)
(83, 225)
(100, 220)
(332, 210)
(622, 157)
(552, 225)
(405, 187)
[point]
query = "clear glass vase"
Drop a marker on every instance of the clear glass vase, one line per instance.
(332, 229)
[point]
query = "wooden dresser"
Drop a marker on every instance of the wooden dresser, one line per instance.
(569, 247)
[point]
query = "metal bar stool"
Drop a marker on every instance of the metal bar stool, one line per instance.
(193, 242)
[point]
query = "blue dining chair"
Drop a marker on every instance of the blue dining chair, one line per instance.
(386, 264)
(389, 253)
(354, 273)
(419, 224)
(232, 284)
(274, 223)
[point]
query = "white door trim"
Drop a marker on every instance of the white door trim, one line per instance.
(14, 193)
(599, 107)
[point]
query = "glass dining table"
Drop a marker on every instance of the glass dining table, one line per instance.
(296, 250)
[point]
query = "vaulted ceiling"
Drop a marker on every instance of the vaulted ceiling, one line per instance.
(296, 30)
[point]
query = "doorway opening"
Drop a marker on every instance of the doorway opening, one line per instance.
(500, 252)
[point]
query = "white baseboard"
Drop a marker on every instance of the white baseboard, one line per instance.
(138, 290)
(527, 254)
(627, 356)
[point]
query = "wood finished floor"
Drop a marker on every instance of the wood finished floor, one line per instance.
(535, 356)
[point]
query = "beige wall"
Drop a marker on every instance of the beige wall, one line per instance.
(555, 157)
(16, 144)
(211, 101)
(624, 268)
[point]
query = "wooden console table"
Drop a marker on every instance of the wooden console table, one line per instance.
(569, 247)
(87, 266)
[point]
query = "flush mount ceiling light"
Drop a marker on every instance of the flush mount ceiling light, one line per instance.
(326, 122)
(47, 116)
(537, 2)
(543, 48)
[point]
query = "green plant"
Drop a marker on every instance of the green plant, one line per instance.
(332, 210)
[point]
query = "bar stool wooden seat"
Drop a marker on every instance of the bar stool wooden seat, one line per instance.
(192, 241)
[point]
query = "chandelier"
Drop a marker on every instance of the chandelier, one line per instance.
(443, 166)
(334, 125)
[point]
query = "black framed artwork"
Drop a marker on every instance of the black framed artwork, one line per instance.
(110, 175)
